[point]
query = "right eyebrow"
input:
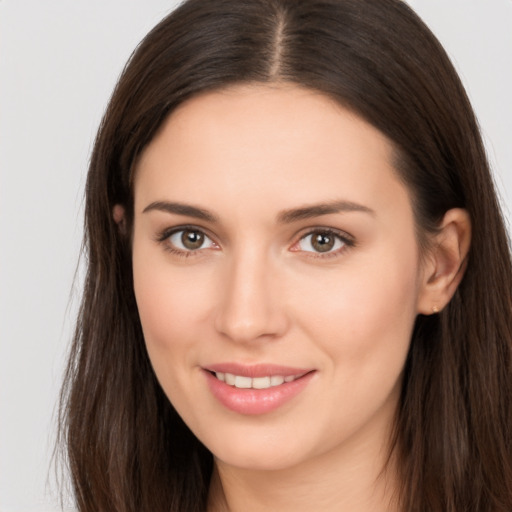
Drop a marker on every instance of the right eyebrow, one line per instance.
(181, 209)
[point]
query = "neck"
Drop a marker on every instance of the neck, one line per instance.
(355, 478)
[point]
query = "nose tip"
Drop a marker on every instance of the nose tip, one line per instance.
(250, 307)
(244, 330)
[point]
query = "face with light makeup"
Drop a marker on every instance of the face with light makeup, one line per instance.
(271, 230)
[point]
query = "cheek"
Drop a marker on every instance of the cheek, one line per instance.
(362, 324)
(382, 305)
(172, 307)
(364, 315)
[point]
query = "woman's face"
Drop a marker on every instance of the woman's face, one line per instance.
(277, 274)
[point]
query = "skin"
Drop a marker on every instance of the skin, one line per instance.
(257, 291)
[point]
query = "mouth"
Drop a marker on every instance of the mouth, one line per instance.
(256, 389)
(244, 382)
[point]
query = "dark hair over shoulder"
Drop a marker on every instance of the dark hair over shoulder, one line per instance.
(127, 448)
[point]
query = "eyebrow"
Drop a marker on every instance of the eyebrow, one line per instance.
(182, 209)
(316, 210)
(284, 217)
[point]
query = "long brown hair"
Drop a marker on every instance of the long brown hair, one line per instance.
(127, 449)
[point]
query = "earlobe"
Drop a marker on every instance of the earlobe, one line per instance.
(119, 216)
(446, 262)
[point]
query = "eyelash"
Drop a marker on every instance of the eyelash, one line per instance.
(165, 235)
(346, 239)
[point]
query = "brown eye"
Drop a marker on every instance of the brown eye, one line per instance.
(192, 239)
(189, 239)
(322, 242)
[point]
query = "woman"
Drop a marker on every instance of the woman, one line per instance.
(299, 290)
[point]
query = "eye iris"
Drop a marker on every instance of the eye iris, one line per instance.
(192, 239)
(322, 242)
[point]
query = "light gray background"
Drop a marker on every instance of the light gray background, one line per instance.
(59, 61)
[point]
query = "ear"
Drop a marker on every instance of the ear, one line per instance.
(445, 263)
(119, 216)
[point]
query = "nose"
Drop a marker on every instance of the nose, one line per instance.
(251, 305)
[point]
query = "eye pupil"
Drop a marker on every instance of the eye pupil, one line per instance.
(322, 242)
(192, 239)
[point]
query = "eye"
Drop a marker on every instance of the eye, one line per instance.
(322, 241)
(189, 239)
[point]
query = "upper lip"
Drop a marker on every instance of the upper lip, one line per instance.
(257, 370)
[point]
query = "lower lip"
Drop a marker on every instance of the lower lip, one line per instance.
(256, 401)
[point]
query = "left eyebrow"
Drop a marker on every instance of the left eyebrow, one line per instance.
(316, 210)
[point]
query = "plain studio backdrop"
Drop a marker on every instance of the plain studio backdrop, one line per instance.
(59, 61)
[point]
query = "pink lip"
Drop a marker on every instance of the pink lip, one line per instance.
(256, 370)
(256, 401)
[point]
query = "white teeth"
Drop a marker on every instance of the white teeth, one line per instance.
(261, 382)
(276, 380)
(256, 383)
(243, 382)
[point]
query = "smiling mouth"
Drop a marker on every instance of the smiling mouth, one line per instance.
(243, 382)
(256, 389)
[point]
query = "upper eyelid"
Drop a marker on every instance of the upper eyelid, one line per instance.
(344, 235)
(167, 232)
(348, 242)
(162, 238)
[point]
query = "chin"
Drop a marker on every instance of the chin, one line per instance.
(261, 451)
(259, 461)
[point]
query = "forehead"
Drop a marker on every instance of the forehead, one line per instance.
(287, 143)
